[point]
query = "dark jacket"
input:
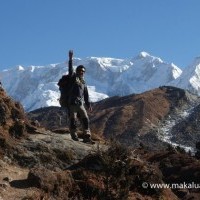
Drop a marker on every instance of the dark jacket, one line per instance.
(79, 91)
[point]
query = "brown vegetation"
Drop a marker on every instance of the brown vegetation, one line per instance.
(36, 163)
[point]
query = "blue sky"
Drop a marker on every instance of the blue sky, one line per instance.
(40, 32)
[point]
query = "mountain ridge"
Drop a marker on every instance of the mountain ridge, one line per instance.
(151, 118)
(36, 86)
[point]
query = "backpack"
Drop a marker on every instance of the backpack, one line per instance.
(65, 86)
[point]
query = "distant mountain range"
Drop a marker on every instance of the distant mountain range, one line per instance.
(36, 86)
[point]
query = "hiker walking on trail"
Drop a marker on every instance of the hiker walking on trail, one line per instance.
(76, 98)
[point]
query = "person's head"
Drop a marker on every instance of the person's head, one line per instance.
(80, 70)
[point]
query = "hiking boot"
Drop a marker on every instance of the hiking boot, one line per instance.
(74, 137)
(88, 141)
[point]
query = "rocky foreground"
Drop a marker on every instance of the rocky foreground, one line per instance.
(37, 163)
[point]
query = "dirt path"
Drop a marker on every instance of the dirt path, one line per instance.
(11, 183)
(13, 178)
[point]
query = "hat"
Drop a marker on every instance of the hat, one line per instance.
(80, 68)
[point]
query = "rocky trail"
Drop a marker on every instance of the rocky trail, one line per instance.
(54, 151)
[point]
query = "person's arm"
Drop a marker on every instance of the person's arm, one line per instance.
(70, 63)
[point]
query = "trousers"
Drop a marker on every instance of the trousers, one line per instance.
(79, 110)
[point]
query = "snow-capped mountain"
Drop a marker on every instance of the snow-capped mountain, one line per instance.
(190, 78)
(145, 72)
(36, 86)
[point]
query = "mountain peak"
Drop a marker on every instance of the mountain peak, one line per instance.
(144, 54)
(20, 68)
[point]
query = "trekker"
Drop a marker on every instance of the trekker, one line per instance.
(77, 99)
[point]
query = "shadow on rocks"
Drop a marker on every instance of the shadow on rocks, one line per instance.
(21, 184)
